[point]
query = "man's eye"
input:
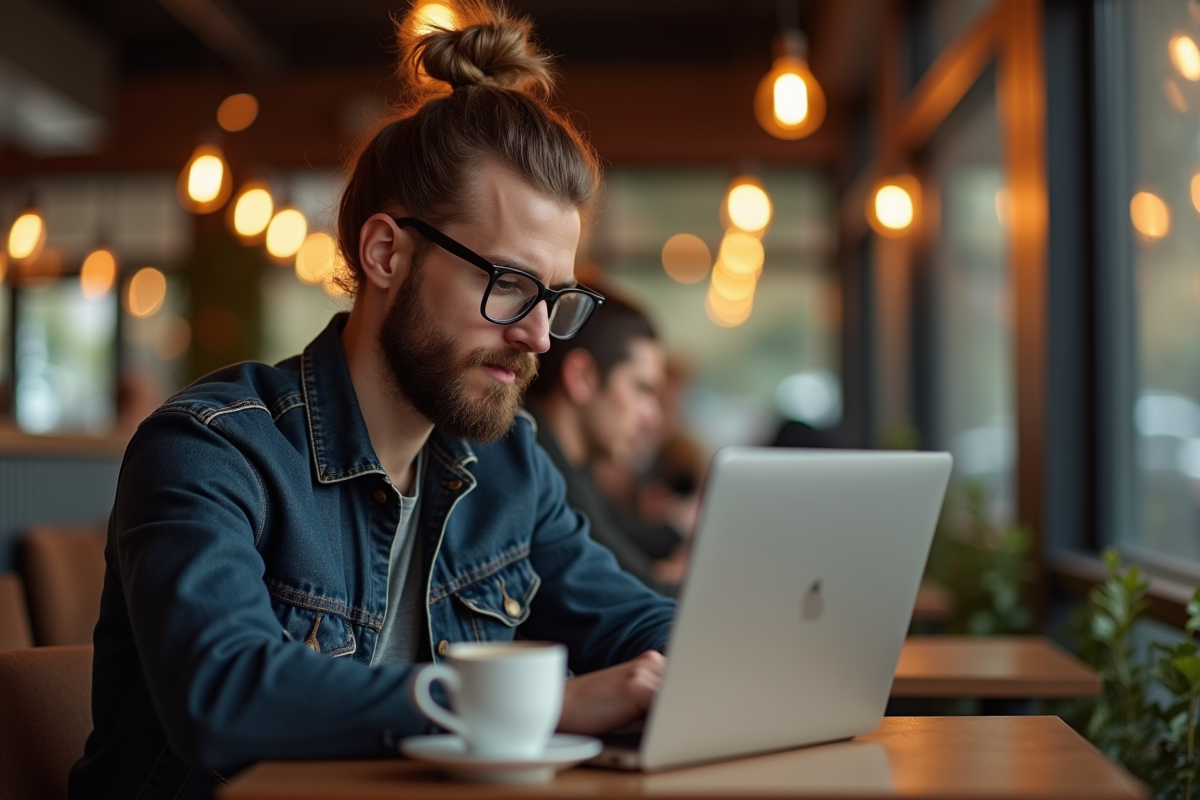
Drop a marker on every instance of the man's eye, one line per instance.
(504, 284)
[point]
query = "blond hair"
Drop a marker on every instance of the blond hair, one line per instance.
(478, 91)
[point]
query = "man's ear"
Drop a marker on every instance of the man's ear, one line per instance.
(385, 251)
(580, 376)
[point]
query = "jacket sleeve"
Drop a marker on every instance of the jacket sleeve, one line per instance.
(603, 614)
(227, 686)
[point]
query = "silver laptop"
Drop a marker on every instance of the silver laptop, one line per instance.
(804, 572)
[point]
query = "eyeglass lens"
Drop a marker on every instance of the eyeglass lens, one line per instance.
(512, 295)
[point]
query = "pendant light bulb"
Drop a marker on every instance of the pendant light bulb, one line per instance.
(789, 103)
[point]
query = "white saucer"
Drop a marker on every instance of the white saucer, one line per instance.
(450, 753)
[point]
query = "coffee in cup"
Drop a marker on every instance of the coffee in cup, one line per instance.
(506, 697)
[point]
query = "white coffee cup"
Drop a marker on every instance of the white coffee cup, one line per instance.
(506, 696)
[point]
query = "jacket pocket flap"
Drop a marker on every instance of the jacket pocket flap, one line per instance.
(325, 633)
(504, 595)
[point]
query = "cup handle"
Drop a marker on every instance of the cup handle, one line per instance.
(425, 702)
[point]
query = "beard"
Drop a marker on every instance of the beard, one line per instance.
(428, 371)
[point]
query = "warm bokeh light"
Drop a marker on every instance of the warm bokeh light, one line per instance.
(1196, 190)
(727, 313)
(316, 258)
(432, 16)
(733, 286)
(146, 292)
(286, 233)
(1185, 56)
(893, 207)
(252, 210)
(791, 99)
(1150, 215)
(98, 273)
(205, 183)
(789, 103)
(686, 258)
(27, 236)
(204, 179)
(741, 253)
(748, 206)
(237, 112)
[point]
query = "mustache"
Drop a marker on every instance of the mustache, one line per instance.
(523, 365)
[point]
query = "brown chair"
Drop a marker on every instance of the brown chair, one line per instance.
(45, 718)
(64, 569)
(14, 615)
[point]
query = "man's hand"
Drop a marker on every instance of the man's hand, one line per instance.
(609, 698)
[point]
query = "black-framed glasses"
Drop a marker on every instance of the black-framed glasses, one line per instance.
(511, 293)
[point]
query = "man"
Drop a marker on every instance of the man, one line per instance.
(288, 542)
(597, 396)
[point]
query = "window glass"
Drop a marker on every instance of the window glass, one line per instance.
(933, 25)
(65, 370)
(783, 362)
(1160, 67)
(973, 358)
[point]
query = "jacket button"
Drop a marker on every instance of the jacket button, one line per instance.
(454, 485)
(512, 607)
(443, 647)
(380, 496)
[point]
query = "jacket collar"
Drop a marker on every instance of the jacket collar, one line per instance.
(337, 432)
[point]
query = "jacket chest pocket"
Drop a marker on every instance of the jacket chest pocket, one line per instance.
(318, 630)
(500, 602)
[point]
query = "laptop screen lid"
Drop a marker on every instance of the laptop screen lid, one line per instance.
(804, 571)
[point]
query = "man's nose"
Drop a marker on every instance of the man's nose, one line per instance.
(531, 333)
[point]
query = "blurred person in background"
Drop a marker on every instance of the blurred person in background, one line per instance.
(289, 542)
(597, 401)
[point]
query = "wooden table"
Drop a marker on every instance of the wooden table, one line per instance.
(991, 667)
(970, 758)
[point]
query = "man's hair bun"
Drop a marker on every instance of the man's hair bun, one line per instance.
(487, 47)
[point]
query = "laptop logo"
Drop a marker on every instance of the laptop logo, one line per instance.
(813, 604)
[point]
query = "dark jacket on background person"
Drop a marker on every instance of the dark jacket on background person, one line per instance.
(247, 574)
(635, 543)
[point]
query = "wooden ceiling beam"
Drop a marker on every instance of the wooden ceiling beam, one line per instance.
(663, 114)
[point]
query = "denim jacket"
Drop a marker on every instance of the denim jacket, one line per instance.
(246, 579)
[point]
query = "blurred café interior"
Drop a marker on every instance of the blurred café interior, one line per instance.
(959, 225)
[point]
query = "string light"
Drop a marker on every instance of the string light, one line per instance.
(251, 211)
(733, 286)
(27, 236)
(286, 233)
(727, 313)
(98, 273)
(316, 258)
(146, 293)
(686, 258)
(204, 184)
(1150, 215)
(741, 253)
(237, 112)
(747, 205)
(1185, 56)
